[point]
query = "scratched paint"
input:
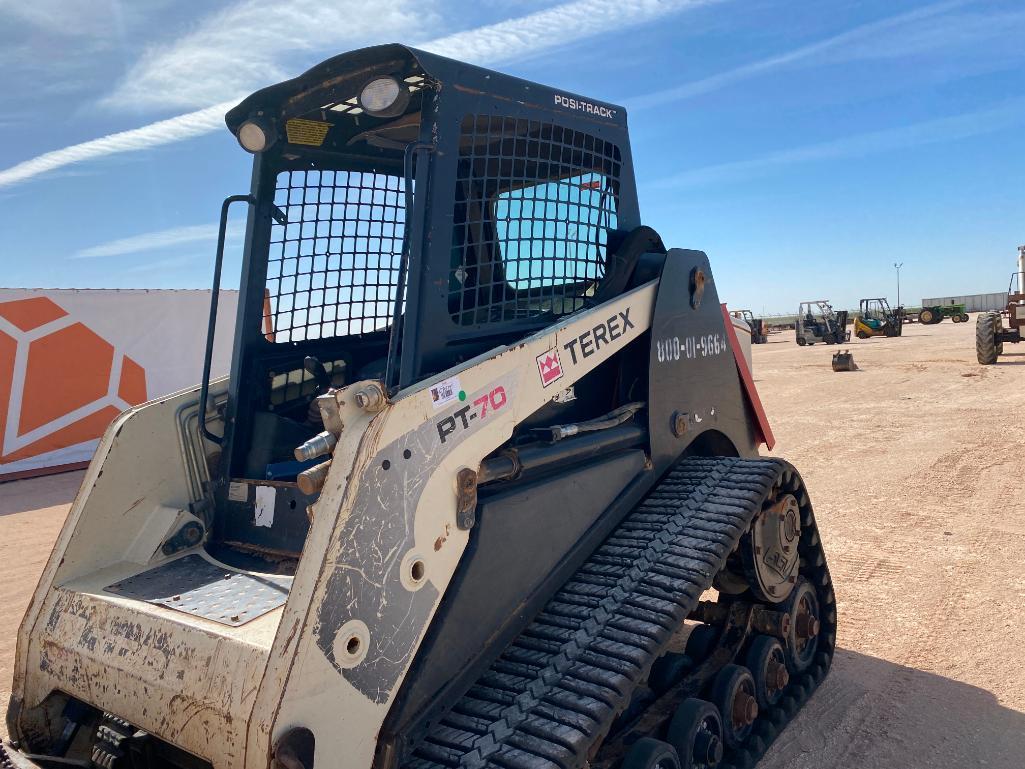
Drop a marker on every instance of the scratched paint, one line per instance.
(365, 583)
(199, 690)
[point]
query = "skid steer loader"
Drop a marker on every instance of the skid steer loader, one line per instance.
(482, 488)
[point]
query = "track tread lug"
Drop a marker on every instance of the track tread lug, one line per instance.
(561, 682)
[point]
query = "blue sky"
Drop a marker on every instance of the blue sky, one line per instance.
(805, 145)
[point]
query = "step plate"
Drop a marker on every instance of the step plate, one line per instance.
(195, 586)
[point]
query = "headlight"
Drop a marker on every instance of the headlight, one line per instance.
(384, 97)
(256, 135)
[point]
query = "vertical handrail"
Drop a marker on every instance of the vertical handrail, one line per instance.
(396, 322)
(204, 387)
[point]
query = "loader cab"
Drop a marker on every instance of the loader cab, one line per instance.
(407, 213)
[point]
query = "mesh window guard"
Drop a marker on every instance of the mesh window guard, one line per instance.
(333, 269)
(534, 204)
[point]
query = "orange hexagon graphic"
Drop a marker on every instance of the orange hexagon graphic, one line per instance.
(61, 383)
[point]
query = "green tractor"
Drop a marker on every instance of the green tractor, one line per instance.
(935, 313)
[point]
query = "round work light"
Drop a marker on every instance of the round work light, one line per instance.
(384, 97)
(256, 136)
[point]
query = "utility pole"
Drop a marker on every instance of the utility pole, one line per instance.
(898, 266)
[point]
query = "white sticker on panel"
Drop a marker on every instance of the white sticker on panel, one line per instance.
(445, 392)
(265, 506)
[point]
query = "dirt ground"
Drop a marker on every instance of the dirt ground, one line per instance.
(915, 468)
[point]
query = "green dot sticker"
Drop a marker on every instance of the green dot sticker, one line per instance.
(462, 395)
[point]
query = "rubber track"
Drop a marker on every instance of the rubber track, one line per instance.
(555, 691)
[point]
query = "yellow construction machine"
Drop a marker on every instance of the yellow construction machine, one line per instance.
(875, 318)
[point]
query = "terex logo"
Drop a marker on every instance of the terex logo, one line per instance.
(479, 409)
(584, 106)
(589, 342)
(549, 367)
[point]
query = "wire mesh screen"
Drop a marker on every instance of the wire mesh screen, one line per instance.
(297, 383)
(534, 204)
(333, 269)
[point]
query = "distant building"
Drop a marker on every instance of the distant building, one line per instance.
(972, 302)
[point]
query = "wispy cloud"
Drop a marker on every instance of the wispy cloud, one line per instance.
(62, 18)
(59, 48)
(151, 241)
(529, 34)
(156, 134)
(843, 40)
(552, 27)
(991, 120)
(246, 44)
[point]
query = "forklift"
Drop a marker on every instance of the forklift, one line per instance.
(817, 321)
(875, 318)
(759, 329)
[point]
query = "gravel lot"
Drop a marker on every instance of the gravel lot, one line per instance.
(915, 467)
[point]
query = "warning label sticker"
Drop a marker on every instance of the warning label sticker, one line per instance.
(238, 492)
(308, 132)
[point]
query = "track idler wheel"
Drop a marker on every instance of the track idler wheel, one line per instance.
(770, 549)
(768, 665)
(733, 692)
(803, 637)
(649, 753)
(696, 733)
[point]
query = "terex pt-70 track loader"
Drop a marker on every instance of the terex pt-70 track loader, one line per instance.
(485, 449)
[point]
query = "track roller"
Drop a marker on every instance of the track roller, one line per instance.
(767, 663)
(733, 692)
(803, 637)
(649, 753)
(696, 733)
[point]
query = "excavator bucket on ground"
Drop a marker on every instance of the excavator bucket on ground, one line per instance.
(844, 361)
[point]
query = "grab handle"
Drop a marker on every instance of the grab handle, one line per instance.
(204, 388)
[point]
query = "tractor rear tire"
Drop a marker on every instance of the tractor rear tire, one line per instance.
(926, 317)
(987, 324)
(964, 317)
